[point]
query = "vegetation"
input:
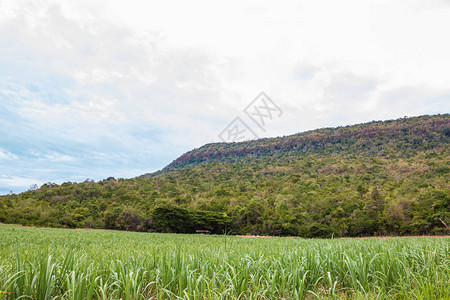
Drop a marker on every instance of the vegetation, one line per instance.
(379, 178)
(95, 264)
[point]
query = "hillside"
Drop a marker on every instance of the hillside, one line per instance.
(378, 178)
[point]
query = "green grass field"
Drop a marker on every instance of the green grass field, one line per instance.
(40, 263)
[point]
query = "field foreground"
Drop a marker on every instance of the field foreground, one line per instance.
(89, 264)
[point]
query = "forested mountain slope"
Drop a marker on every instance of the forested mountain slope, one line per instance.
(386, 177)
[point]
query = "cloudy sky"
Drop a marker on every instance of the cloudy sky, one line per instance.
(92, 89)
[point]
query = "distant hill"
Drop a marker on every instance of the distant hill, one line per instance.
(378, 178)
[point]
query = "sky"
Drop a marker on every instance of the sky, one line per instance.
(93, 89)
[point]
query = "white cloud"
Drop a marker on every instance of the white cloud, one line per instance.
(15, 182)
(7, 155)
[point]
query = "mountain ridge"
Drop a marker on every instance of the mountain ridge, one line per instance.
(295, 139)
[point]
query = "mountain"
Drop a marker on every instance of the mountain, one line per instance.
(378, 178)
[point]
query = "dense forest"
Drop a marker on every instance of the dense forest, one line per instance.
(378, 178)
